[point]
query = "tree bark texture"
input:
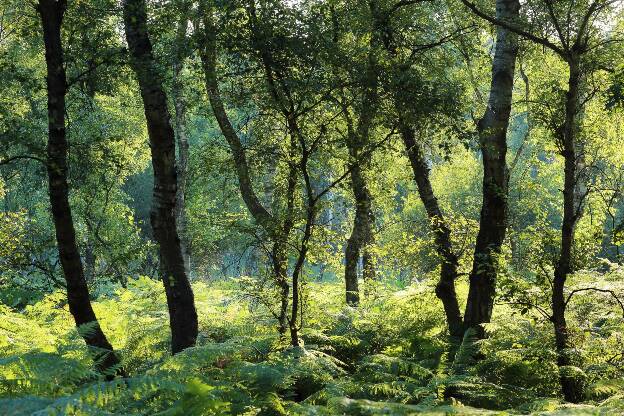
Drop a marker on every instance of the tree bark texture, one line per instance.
(362, 237)
(572, 210)
(182, 140)
(51, 13)
(492, 130)
(180, 300)
(445, 289)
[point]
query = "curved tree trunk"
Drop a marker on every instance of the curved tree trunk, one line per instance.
(493, 141)
(445, 289)
(180, 300)
(278, 233)
(51, 13)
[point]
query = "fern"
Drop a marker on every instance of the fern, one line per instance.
(465, 355)
(386, 357)
(38, 372)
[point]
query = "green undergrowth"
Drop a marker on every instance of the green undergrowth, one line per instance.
(388, 357)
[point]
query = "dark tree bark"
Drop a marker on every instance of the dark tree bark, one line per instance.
(573, 198)
(311, 212)
(298, 269)
(574, 44)
(492, 130)
(362, 234)
(445, 289)
(182, 141)
(574, 38)
(362, 237)
(280, 272)
(182, 313)
(52, 13)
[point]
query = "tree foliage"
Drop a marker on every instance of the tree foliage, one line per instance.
(375, 207)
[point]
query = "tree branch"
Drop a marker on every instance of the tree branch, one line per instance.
(595, 289)
(542, 41)
(19, 157)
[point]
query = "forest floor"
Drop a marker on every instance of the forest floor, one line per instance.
(390, 356)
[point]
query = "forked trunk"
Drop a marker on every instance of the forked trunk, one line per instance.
(278, 234)
(493, 142)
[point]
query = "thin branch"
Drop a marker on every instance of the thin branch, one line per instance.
(542, 41)
(364, 154)
(595, 289)
(541, 310)
(19, 157)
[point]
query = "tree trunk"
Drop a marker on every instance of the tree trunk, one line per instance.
(51, 13)
(208, 55)
(182, 313)
(362, 236)
(445, 289)
(298, 268)
(280, 271)
(278, 233)
(281, 254)
(493, 141)
(572, 210)
(352, 255)
(182, 140)
(369, 263)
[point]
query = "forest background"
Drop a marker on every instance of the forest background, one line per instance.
(311, 207)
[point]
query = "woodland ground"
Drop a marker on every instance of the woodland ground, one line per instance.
(387, 357)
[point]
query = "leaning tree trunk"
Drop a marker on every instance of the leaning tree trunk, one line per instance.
(278, 233)
(572, 209)
(445, 289)
(182, 313)
(183, 144)
(51, 13)
(493, 141)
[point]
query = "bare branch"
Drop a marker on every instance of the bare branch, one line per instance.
(514, 28)
(21, 157)
(596, 289)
